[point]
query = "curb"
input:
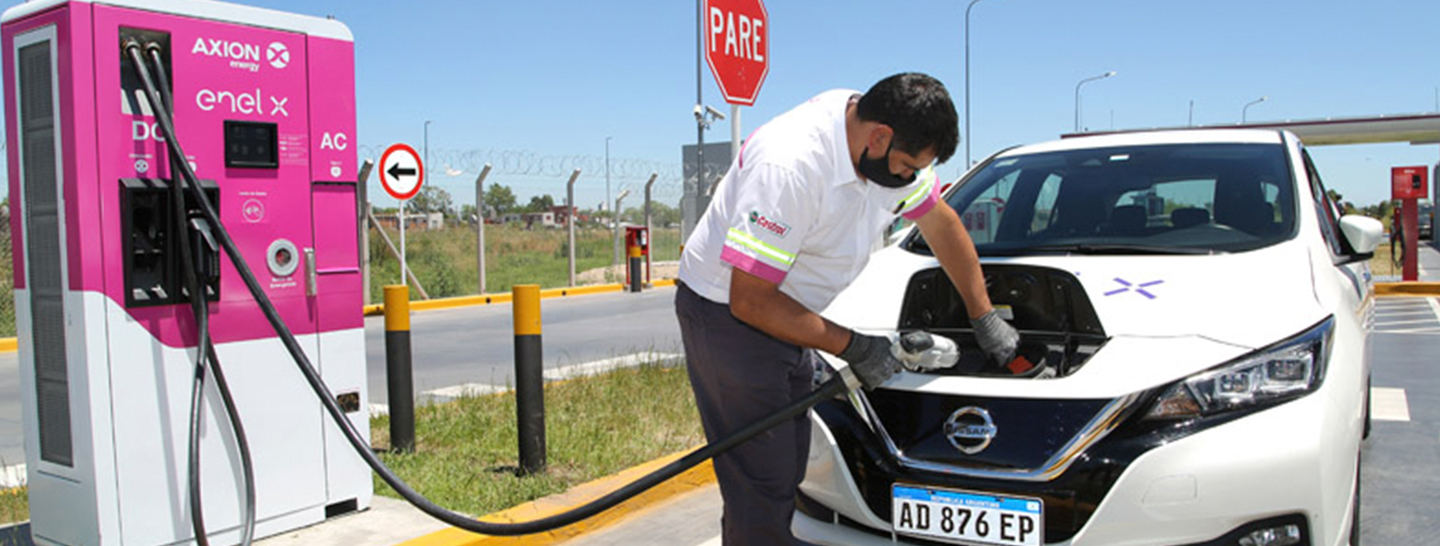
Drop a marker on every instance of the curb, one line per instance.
(1411, 289)
(10, 344)
(699, 476)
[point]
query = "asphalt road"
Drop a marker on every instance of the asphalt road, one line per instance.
(467, 345)
(476, 345)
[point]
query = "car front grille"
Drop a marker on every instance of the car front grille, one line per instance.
(1071, 491)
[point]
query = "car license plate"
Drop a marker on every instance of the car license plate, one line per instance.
(967, 517)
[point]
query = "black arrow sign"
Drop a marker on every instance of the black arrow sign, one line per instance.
(396, 172)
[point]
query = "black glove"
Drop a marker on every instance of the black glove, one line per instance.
(997, 338)
(871, 359)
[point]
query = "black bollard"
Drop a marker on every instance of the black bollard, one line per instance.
(399, 378)
(529, 378)
(635, 280)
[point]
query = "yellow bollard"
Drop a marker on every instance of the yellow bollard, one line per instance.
(529, 378)
(399, 377)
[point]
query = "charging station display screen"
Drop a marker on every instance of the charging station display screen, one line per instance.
(251, 144)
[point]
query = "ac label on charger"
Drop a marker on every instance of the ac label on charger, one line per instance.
(333, 142)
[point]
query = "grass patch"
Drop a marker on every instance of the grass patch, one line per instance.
(466, 451)
(444, 259)
(14, 505)
(1382, 263)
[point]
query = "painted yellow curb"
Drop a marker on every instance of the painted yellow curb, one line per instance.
(1407, 289)
(8, 345)
(690, 480)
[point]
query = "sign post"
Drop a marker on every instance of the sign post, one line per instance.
(401, 174)
(738, 54)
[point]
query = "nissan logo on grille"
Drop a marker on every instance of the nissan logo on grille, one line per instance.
(970, 429)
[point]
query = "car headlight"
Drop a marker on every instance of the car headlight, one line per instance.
(1281, 372)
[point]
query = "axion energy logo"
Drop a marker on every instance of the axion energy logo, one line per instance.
(776, 227)
(278, 55)
(241, 55)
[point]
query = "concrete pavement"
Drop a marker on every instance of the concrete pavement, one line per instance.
(388, 521)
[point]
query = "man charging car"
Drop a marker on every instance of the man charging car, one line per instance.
(791, 224)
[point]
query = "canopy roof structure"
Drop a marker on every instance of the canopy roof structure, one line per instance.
(1412, 128)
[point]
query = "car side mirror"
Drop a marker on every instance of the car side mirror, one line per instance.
(1363, 233)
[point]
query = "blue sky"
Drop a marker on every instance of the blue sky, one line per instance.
(554, 79)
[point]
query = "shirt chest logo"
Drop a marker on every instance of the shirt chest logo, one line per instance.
(773, 226)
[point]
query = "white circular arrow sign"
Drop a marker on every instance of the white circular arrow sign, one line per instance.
(401, 171)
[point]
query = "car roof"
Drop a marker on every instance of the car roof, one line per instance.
(1142, 138)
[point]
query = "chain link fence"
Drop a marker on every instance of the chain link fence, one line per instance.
(444, 260)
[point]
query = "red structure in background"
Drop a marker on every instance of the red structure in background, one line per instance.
(1408, 185)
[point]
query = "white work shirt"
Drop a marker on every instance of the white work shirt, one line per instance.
(791, 210)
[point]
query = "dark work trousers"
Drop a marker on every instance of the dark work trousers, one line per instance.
(741, 375)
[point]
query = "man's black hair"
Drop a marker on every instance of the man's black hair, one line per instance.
(918, 108)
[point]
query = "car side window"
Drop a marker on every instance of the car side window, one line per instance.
(1324, 208)
(1045, 204)
(982, 217)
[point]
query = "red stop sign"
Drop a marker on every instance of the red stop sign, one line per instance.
(738, 47)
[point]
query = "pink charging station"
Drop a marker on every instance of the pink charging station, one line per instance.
(264, 102)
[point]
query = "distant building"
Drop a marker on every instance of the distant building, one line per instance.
(562, 214)
(542, 219)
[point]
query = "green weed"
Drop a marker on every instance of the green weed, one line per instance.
(467, 450)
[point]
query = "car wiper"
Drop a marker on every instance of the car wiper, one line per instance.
(1104, 249)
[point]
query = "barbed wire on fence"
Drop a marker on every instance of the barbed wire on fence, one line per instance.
(530, 163)
(539, 170)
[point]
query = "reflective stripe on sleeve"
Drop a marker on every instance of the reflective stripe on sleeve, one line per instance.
(739, 260)
(921, 192)
(749, 242)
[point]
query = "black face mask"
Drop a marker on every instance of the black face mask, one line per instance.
(878, 170)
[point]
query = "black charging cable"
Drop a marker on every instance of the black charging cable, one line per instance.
(829, 389)
(206, 359)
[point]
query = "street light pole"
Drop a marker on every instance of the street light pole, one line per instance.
(1077, 95)
(427, 145)
(1244, 111)
(968, 137)
(700, 189)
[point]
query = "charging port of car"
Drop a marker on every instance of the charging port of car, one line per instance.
(1059, 329)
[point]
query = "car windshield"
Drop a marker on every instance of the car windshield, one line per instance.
(1154, 199)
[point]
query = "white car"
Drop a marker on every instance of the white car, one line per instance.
(1195, 320)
